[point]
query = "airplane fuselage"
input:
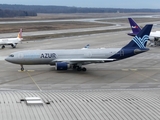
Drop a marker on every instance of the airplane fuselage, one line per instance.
(9, 41)
(32, 57)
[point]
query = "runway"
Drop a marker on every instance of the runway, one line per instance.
(52, 32)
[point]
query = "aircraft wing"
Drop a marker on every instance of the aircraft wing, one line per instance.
(84, 60)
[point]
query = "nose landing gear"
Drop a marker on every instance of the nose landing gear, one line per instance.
(22, 68)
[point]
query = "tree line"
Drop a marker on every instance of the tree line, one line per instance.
(64, 9)
(15, 13)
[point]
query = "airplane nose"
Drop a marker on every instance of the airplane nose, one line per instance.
(7, 59)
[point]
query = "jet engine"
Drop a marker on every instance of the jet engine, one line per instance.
(62, 66)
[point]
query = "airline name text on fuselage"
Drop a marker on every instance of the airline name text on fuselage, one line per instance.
(48, 55)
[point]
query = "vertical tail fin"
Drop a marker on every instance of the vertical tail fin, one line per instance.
(141, 39)
(87, 46)
(135, 28)
(20, 33)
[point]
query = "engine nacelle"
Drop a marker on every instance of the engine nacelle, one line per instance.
(62, 66)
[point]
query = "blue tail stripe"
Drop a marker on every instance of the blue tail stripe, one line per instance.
(137, 41)
(141, 41)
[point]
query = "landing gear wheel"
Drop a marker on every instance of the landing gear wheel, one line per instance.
(74, 67)
(22, 68)
(79, 69)
(84, 69)
(3, 47)
(13, 46)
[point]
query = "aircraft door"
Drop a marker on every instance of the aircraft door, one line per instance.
(121, 53)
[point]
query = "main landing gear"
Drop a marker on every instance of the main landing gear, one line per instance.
(13, 46)
(78, 68)
(3, 46)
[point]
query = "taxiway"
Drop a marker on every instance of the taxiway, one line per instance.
(141, 71)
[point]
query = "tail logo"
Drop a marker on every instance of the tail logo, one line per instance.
(141, 41)
(134, 26)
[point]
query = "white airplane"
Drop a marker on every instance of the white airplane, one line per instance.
(75, 58)
(11, 41)
(136, 29)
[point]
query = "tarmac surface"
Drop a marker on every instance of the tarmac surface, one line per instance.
(127, 89)
(141, 71)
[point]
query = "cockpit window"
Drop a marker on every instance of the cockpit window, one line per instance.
(11, 55)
